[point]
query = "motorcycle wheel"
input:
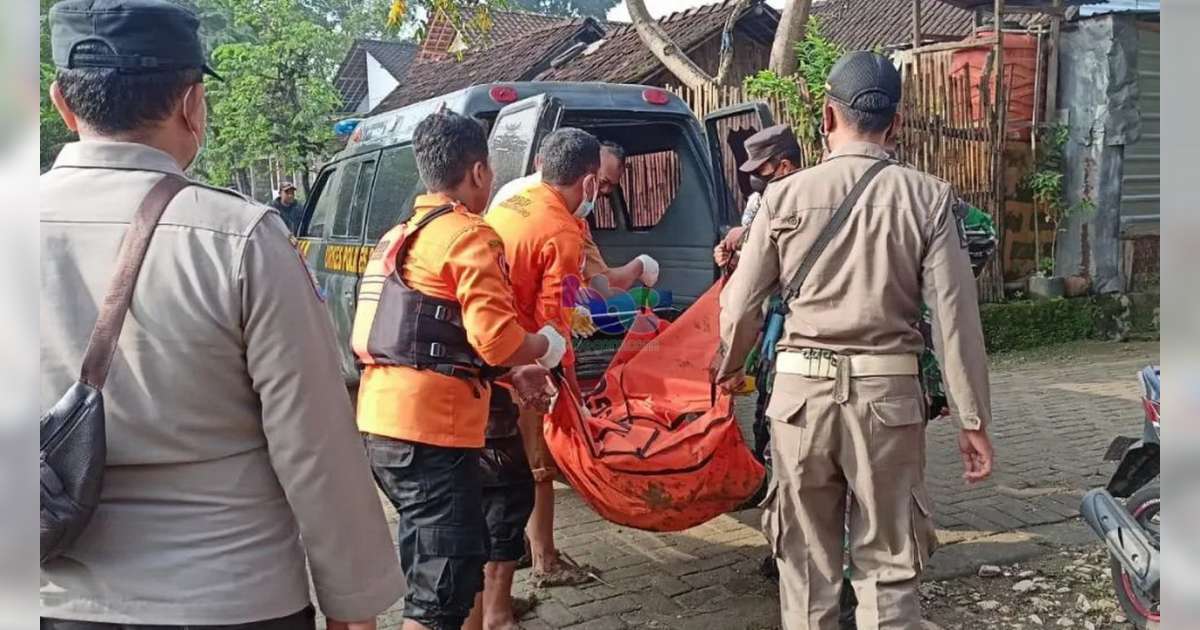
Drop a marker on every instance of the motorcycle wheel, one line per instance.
(1141, 608)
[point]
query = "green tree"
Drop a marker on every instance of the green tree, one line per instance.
(277, 100)
(802, 94)
(54, 132)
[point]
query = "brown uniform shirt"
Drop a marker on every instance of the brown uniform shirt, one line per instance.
(234, 466)
(900, 243)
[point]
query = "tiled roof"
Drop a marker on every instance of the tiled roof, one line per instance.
(866, 24)
(513, 60)
(351, 77)
(622, 58)
(507, 25)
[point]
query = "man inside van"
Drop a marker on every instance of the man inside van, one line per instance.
(544, 246)
(429, 337)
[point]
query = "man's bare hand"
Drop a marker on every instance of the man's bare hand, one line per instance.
(721, 255)
(534, 387)
(333, 624)
(977, 455)
(725, 251)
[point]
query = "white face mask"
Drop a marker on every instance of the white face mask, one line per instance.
(588, 205)
(195, 136)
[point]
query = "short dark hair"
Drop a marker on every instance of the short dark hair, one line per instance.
(568, 155)
(792, 156)
(446, 146)
(866, 122)
(112, 101)
(615, 149)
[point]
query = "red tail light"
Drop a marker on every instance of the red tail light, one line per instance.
(503, 94)
(656, 97)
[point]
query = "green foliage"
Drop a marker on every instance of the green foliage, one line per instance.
(53, 130)
(278, 58)
(1023, 325)
(803, 94)
(1045, 183)
(1031, 324)
(277, 99)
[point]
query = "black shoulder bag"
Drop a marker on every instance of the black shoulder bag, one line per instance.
(73, 448)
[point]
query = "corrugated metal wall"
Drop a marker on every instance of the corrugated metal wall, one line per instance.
(1140, 178)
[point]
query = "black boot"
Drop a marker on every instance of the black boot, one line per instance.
(848, 603)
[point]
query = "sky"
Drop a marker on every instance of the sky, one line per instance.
(659, 8)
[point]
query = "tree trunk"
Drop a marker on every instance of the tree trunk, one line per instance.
(791, 29)
(656, 39)
(726, 58)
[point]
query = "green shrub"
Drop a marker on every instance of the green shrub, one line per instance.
(1024, 325)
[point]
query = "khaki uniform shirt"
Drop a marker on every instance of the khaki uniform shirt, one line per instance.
(230, 432)
(902, 240)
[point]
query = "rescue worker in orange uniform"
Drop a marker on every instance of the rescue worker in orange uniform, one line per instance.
(435, 316)
(544, 246)
(597, 275)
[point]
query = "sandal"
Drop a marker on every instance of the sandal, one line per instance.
(566, 572)
(522, 606)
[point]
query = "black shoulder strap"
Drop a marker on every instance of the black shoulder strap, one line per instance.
(411, 232)
(827, 234)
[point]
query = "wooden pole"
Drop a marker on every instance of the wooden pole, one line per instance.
(997, 288)
(916, 23)
(1052, 64)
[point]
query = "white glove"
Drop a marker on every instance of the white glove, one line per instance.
(558, 347)
(649, 270)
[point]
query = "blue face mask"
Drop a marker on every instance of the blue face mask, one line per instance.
(587, 205)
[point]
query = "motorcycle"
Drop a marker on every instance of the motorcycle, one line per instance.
(1132, 532)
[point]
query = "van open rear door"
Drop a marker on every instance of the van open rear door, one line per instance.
(727, 130)
(517, 134)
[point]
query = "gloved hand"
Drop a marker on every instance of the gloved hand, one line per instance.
(581, 322)
(649, 270)
(558, 347)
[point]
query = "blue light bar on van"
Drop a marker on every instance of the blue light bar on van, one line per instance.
(346, 127)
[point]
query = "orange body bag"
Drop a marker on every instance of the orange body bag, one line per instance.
(659, 448)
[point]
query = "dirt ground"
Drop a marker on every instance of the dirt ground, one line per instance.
(1069, 588)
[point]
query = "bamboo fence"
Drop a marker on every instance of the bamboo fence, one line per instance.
(951, 126)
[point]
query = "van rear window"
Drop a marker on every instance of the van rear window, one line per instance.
(648, 187)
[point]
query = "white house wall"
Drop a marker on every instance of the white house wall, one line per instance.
(380, 82)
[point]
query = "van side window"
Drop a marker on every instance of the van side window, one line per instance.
(396, 188)
(650, 182)
(348, 222)
(325, 195)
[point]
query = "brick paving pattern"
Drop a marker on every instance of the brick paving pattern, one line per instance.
(1054, 417)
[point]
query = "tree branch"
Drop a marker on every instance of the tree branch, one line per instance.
(726, 58)
(659, 42)
(791, 29)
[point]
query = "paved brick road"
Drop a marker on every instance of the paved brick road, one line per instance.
(1055, 413)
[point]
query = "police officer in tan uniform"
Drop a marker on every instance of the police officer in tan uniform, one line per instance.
(234, 469)
(847, 408)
